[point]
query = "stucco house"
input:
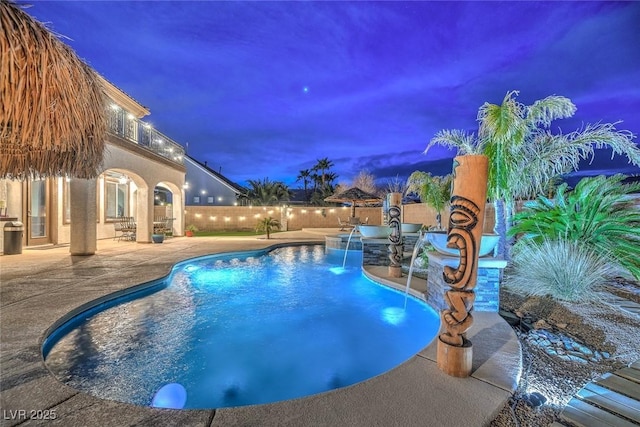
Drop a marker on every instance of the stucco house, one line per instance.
(137, 160)
(206, 187)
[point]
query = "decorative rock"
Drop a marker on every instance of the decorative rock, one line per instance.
(582, 349)
(577, 359)
(545, 343)
(535, 399)
(561, 325)
(562, 346)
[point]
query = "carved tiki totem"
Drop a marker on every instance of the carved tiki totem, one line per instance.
(466, 220)
(395, 248)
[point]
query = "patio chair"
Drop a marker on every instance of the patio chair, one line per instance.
(117, 228)
(344, 225)
(128, 226)
(354, 221)
(163, 225)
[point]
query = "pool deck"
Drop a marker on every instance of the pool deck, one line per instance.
(41, 285)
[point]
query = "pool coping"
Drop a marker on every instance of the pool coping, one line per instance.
(409, 394)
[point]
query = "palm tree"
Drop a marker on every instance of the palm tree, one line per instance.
(267, 225)
(305, 176)
(524, 156)
(435, 191)
(266, 193)
(323, 166)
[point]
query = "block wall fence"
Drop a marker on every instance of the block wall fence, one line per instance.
(221, 218)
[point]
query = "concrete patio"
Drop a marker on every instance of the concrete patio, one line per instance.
(41, 285)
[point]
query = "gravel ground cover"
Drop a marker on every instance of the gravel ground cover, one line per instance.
(564, 347)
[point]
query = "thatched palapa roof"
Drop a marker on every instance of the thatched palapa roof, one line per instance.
(354, 195)
(52, 107)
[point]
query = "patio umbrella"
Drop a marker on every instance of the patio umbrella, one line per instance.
(354, 195)
(52, 108)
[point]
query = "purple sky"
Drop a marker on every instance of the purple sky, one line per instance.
(264, 89)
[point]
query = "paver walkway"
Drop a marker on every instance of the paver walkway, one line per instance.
(611, 400)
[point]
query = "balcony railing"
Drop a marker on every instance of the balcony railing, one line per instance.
(127, 126)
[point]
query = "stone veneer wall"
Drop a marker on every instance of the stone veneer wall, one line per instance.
(487, 288)
(409, 241)
(375, 252)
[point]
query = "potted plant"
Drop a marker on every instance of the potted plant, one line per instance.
(157, 238)
(190, 229)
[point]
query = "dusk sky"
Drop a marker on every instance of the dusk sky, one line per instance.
(264, 89)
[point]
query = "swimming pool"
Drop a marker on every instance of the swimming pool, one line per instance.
(243, 328)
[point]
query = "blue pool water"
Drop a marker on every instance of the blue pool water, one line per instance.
(242, 329)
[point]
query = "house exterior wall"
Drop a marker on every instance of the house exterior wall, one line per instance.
(204, 189)
(146, 172)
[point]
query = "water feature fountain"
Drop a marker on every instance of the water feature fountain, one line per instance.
(346, 250)
(416, 249)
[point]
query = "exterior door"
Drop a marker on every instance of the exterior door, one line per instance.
(37, 225)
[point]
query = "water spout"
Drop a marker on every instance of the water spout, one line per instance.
(416, 248)
(346, 250)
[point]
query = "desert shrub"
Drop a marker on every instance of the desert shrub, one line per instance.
(598, 213)
(561, 269)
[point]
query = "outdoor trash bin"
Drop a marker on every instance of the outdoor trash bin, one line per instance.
(13, 237)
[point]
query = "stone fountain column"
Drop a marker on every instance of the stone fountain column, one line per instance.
(468, 200)
(395, 248)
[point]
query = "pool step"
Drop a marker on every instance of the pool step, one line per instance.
(611, 400)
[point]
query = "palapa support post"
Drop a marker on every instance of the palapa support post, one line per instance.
(395, 248)
(466, 221)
